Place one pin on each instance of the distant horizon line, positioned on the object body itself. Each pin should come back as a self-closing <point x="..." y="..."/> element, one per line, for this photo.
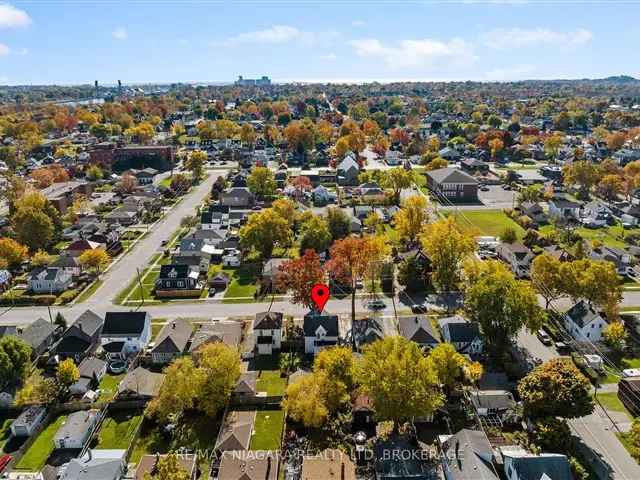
<point x="339" y="81"/>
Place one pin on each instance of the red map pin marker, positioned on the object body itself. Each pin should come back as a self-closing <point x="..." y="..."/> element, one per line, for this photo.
<point x="320" y="295"/>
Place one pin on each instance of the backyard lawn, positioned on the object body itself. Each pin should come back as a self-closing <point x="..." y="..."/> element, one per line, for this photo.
<point x="118" y="430"/>
<point x="267" y="430"/>
<point x="37" y="454"/>
<point x="487" y="222"/>
<point x="109" y="386"/>
<point x="270" y="381"/>
<point x="194" y="432"/>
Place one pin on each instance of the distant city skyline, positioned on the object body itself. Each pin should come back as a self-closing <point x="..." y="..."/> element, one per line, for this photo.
<point x="207" y="41"/>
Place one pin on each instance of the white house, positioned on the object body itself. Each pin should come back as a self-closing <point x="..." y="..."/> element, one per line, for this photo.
<point x="28" y="421"/>
<point x="76" y="429"/>
<point x="232" y="258"/>
<point x="563" y="208"/>
<point x="518" y="256"/>
<point x="132" y="328"/>
<point x="584" y="323"/>
<point x="267" y="332"/>
<point x="320" y="331"/>
<point x="522" y="465"/>
<point x="49" y="280"/>
<point x="462" y="334"/>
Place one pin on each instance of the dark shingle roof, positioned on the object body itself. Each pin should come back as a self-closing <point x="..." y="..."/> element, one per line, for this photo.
<point x="582" y="313"/>
<point x="122" y="323"/>
<point x="37" y="333"/>
<point x="268" y="321"/>
<point x="312" y="321"/>
<point x="417" y="328"/>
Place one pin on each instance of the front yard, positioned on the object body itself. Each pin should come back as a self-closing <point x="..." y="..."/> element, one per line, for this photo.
<point x="36" y="456"/>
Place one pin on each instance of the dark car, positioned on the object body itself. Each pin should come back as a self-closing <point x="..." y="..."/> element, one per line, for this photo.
<point x="419" y="308"/>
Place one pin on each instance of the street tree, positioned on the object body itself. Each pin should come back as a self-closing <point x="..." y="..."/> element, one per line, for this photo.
<point x="556" y="389"/>
<point x="349" y="263"/>
<point x="195" y="162"/>
<point x="546" y="278"/>
<point x="399" y="379"/>
<point x="447" y="246"/>
<point x="262" y="182"/>
<point x="411" y="218"/>
<point x="397" y="179"/>
<point x="615" y="335"/>
<point x="297" y="276"/>
<point x="501" y="305"/>
<point x="94" y="260"/>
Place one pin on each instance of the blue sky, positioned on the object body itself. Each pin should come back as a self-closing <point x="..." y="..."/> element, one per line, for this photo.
<point x="77" y="41"/>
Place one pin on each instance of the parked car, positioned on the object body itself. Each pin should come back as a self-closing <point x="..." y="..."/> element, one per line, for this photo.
<point x="484" y="188"/>
<point x="562" y="348"/>
<point x="419" y="308"/>
<point x="544" y="337"/>
<point x="376" y="305"/>
<point x="4" y="461"/>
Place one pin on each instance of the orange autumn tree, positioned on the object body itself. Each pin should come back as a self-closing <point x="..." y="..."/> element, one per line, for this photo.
<point x="350" y="261"/>
<point x="299" y="275"/>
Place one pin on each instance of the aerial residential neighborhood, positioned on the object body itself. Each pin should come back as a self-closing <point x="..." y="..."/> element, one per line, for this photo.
<point x="352" y="271"/>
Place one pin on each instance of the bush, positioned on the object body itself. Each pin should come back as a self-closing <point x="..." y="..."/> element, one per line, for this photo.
<point x="68" y="296"/>
<point x="589" y="372"/>
<point x="26" y="300"/>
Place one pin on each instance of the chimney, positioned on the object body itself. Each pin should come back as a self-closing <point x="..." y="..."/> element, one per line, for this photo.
<point x="173" y="325"/>
<point x="80" y="326"/>
<point x="266" y="477"/>
<point x="342" y="476"/>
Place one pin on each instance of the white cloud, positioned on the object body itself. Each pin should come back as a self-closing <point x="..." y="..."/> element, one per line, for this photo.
<point x="329" y="56"/>
<point x="274" y="34"/>
<point x="120" y="33"/>
<point x="417" y="53"/>
<point x="11" y="16"/>
<point x="278" y="34"/>
<point x="517" y="72"/>
<point x="512" y="38"/>
<point x="358" y="23"/>
<point x="4" y="50"/>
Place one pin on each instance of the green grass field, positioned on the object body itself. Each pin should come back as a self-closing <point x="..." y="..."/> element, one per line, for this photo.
<point x="5" y="430"/>
<point x="610" y="401"/>
<point x="267" y="430"/>
<point x="118" y="430"/>
<point x="270" y="381"/>
<point x="109" y="386"/>
<point x="242" y="284"/>
<point x="487" y="222"/>
<point x="36" y="456"/>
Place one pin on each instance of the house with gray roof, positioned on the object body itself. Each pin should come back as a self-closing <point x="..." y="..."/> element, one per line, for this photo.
<point x="462" y="334"/>
<point x="235" y="433"/>
<point x="418" y="329"/>
<point x="348" y="170"/>
<point x="132" y="328"/>
<point x="95" y="465"/>
<point x="140" y="384"/>
<point x="28" y="421"/>
<point x="39" y="335"/>
<point x="92" y="370"/>
<point x="81" y="338"/>
<point x="467" y="455"/>
<point x="584" y="322"/>
<point x="76" y="429"/>
<point x="50" y="280"/>
<point x="453" y="184"/>
<point x="172" y="341"/>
